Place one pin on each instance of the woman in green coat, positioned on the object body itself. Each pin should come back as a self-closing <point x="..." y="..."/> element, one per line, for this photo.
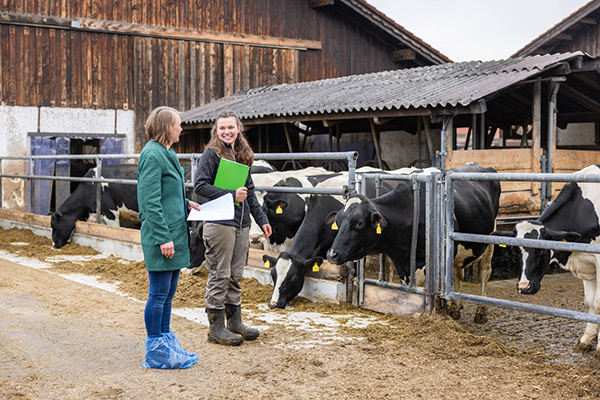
<point x="165" y="237"/>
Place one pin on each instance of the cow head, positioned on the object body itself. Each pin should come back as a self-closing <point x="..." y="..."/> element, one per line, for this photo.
<point x="62" y="228"/>
<point x="534" y="262"/>
<point x="358" y="224"/>
<point x="197" y="248"/>
<point x="287" y="272"/>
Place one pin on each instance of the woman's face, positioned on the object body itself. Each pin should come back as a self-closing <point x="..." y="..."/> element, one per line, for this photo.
<point x="227" y="130"/>
<point x="176" y="130"/>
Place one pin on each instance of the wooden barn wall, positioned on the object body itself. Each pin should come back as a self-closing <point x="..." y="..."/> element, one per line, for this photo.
<point x="46" y="66"/>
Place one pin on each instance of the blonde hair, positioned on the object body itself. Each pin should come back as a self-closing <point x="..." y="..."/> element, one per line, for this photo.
<point x="240" y="150"/>
<point x="159" y="124"/>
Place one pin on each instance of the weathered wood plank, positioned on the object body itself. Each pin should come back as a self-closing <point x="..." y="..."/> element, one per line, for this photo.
<point x="158" y="31"/>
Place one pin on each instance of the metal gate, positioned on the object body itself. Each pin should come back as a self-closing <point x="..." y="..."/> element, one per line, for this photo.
<point x="440" y="237"/>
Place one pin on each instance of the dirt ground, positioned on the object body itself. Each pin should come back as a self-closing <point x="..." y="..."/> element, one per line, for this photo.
<point x="70" y="340"/>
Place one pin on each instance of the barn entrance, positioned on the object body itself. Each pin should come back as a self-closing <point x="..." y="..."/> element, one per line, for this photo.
<point x="48" y="195"/>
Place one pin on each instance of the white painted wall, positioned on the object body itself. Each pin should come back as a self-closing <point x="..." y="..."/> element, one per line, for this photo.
<point x="576" y="134"/>
<point x="16" y="122"/>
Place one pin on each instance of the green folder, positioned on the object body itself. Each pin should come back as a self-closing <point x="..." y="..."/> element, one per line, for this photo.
<point x="231" y="175"/>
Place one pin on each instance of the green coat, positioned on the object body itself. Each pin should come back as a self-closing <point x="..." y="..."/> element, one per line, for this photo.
<point x="163" y="207"/>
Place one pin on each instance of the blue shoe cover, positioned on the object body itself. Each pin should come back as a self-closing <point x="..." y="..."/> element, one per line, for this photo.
<point x="160" y="355"/>
<point x="175" y="345"/>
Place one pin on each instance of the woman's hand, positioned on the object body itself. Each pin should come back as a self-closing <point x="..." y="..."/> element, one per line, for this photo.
<point x="167" y="249"/>
<point x="194" y="205"/>
<point x="241" y="194"/>
<point x="267" y="230"/>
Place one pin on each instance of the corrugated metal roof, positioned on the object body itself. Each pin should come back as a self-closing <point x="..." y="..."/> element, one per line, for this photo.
<point x="443" y="85"/>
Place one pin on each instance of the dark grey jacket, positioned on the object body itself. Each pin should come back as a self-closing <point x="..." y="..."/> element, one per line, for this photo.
<point x="203" y="186"/>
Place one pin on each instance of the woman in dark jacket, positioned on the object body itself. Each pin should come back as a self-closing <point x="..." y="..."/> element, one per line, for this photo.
<point x="164" y="235"/>
<point x="227" y="242"/>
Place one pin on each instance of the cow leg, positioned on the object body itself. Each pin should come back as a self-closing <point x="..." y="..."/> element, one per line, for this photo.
<point x="591" y="330"/>
<point x="455" y="306"/>
<point x="485" y="271"/>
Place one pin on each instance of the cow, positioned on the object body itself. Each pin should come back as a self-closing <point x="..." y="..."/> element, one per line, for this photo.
<point x="82" y="202"/>
<point x="384" y="225"/>
<point x="313" y="240"/>
<point x="573" y="217"/>
<point x="299" y="178"/>
<point x="287" y="210"/>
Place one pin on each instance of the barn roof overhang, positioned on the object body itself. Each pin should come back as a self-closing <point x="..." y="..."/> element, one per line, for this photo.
<point x="561" y="31"/>
<point x="435" y="91"/>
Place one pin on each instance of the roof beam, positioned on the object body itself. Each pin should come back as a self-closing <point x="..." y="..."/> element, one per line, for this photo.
<point x="404" y="55"/>
<point x="321" y="3"/>
<point x="123" y="28"/>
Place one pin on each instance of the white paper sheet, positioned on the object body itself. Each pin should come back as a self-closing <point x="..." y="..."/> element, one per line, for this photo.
<point x="219" y="209"/>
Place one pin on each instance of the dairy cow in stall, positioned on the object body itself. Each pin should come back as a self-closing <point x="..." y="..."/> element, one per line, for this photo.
<point x="384" y="225"/>
<point x="574" y="217"/>
<point x="116" y="199"/>
<point x="311" y="242"/>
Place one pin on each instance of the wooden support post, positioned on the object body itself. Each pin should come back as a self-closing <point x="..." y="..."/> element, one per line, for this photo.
<point x="536" y="145"/>
<point x="289" y="143"/>
<point x="374" y="135"/>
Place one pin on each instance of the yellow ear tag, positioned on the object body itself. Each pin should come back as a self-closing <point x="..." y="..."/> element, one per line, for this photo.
<point x="267" y="264"/>
<point x="315" y="268"/>
<point x="334" y="226"/>
<point x="279" y="210"/>
<point x="563" y="240"/>
<point x="378" y="229"/>
<point x="502" y="245"/>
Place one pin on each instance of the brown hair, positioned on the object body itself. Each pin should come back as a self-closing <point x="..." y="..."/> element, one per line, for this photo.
<point x="240" y="150"/>
<point x="159" y="123"/>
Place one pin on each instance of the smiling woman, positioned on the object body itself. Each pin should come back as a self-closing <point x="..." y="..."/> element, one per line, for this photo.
<point x="227" y="242"/>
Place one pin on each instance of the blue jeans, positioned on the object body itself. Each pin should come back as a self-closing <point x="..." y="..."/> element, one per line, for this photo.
<point x="157" y="314"/>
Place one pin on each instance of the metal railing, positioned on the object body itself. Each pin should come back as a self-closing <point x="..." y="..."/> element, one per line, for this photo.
<point x="451" y="236"/>
<point x="350" y="157"/>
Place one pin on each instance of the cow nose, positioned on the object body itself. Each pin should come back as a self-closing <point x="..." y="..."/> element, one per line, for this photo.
<point x="272" y="304"/>
<point x="331" y="255"/>
<point x="254" y="238"/>
<point x="524" y="287"/>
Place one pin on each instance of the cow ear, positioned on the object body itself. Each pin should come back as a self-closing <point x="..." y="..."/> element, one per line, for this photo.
<point x="330" y="217"/>
<point x="564" y="236"/>
<point x="269" y="261"/>
<point x="503" y="233"/>
<point x="378" y="220"/>
<point x="313" y="264"/>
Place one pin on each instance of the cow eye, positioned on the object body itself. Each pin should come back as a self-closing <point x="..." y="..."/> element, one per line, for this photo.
<point x="359" y="224"/>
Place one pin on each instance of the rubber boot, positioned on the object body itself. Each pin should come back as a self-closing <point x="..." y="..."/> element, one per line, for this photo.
<point x="173" y="342"/>
<point x="234" y="323"/>
<point x="217" y="333"/>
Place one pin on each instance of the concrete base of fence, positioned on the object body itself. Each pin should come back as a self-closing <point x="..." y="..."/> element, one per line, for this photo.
<point x="325" y="286"/>
<point x="392" y="301"/>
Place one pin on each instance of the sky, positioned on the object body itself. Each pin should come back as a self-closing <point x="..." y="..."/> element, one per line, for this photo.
<point x="467" y="30"/>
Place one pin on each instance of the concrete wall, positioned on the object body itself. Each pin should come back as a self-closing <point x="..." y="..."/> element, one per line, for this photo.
<point x="17" y="122"/>
<point x="576" y="134"/>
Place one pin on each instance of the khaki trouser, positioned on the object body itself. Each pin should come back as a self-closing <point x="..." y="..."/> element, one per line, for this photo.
<point x="226" y="255"/>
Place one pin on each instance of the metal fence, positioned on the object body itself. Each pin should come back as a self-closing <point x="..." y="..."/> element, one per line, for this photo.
<point x="350" y="157"/>
<point x="447" y="290"/>
<point x="439" y="223"/>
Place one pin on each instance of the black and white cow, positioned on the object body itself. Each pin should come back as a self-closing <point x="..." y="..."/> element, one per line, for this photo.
<point x="312" y="241"/>
<point x="82" y="202"/>
<point x="287" y="210"/>
<point x="279" y="240"/>
<point x="574" y="216"/>
<point x="384" y="225"/>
